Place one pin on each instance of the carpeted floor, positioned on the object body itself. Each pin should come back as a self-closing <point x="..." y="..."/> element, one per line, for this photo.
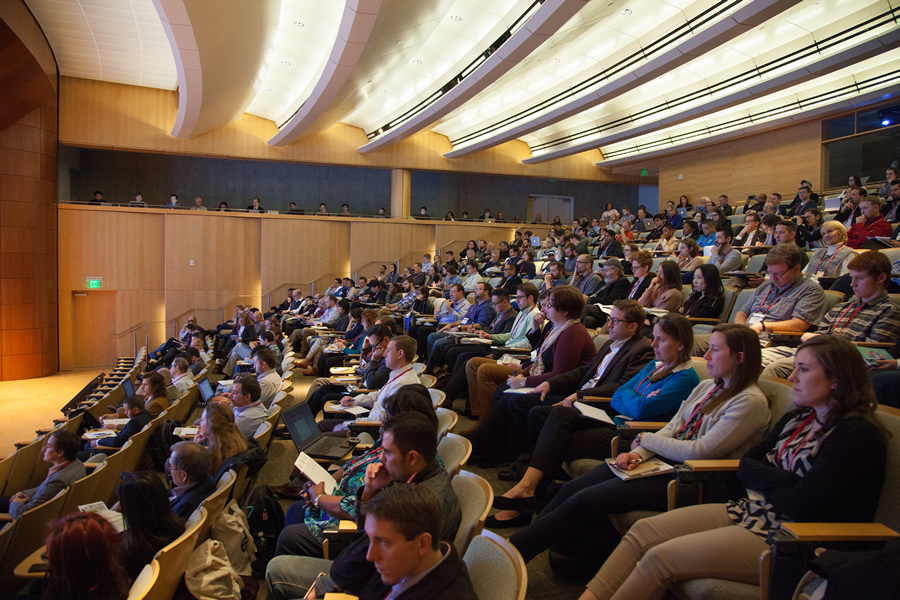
<point x="543" y="583"/>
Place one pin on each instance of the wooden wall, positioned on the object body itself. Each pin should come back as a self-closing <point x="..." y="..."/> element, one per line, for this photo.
<point x="144" y="255"/>
<point x="97" y="114"/>
<point x="28" y="142"/>
<point x="772" y="161"/>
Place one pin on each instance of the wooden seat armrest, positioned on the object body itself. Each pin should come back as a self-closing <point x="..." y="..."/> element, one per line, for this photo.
<point x="645" y="425"/>
<point x="597" y="399"/>
<point x="840" y="532"/>
<point x="368" y="423"/>
<point x="44" y="431"/>
<point x="701" y="320"/>
<point x="362" y="391"/>
<point x="713" y="465"/>
<point x="20" y="445"/>
<point x="353" y="362"/>
<point x="6" y="518"/>
<point x="875" y="344"/>
<point x="91" y="466"/>
<point x="59" y="421"/>
<point x="785" y="331"/>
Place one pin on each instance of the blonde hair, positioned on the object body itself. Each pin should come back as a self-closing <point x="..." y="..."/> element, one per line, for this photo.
<point x="838" y="227"/>
<point x="225" y="439"/>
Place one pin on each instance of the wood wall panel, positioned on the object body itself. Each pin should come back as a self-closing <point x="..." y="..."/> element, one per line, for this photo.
<point x="115" y="116"/>
<point x="454" y="234"/>
<point x="384" y="242"/>
<point x="772" y="161"/>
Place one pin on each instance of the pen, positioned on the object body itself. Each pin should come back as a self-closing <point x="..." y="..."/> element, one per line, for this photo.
<point x="636" y="461"/>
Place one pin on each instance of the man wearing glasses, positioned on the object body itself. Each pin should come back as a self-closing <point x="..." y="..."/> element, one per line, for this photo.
<point x="584" y="278"/>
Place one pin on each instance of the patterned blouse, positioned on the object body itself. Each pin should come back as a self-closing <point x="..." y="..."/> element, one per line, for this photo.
<point x="795" y="451"/>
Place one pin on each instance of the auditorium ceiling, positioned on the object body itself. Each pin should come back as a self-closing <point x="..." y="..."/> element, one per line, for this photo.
<point x="632" y="78"/>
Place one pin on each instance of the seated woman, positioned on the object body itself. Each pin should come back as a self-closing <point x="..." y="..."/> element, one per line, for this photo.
<point x="654" y="394"/>
<point x="305" y="520"/>
<point x="317" y="344"/>
<point x="822" y="462"/>
<point x="708" y="297"/>
<point x="144" y="503"/>
<point x="218" y="432"/>
<point x="688" y="257"/>
<point x="156" y="400"/>
<point x="665" y="290"/>
<point x="722" y="418"/>
<point x="352" y="347"/>
<point x="566" y="346"/>
<point x="832" y="260"/>
<point x="76" y="573"/>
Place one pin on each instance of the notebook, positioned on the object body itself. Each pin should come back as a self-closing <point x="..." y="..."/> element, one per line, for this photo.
<point x="301" y="424"/>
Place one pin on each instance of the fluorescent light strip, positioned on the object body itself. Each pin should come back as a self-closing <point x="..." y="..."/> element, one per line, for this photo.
<point x="682" y="31"/>
<point x="813" y="49"/>
<point x="457" y="79"/>
<point x="763" y="115"/>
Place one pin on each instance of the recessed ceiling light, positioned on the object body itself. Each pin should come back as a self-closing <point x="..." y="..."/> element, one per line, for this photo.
<point x="455" y="18"/>
<point x="285" y="63"/>
<point x="384" y="91"/>
<point x="298" y="23"/>
<point x="626" y="12"/>
<point x="416" y="61"/>
<point x="399" y="42"/>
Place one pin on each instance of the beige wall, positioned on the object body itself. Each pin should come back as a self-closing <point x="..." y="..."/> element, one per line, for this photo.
<point x="773" y="161"/>
<point x="115" y="116"/>
<point x="145" y="257"/>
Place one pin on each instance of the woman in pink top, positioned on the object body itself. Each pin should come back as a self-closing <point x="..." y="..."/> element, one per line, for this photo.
<point x="665" y="289"/>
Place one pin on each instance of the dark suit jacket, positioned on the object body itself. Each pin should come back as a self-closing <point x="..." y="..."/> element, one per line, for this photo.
<point x="527" y="269"/>
<point x="448" y="581"/>
<point x="248" y="334"/>
<point x="188" y="502"/>
<point x="505" y="324"/>
<point x="609" y="293"/>
<point x="641" y="288"/>
<point x="511" y="284"/>
<point x="630" y="359"/>
<point x="134" y="425"/>
<point x="614" y="248"/>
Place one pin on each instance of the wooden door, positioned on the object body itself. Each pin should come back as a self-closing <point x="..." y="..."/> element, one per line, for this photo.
<point x="94" y="328"/>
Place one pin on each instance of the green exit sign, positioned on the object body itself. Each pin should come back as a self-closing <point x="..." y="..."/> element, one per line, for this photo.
<point x="643" y="172"/>
<point x="94" y="283"/>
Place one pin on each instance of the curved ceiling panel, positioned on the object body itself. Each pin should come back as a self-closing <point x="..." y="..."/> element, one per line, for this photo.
<point x="355" y="28"/>
<point x="752" y="67"/>
<point x="670" y="56"/>
<point x="220" y="51"/>
<point x="498" y="59"/>
<point x="121" y="41"/>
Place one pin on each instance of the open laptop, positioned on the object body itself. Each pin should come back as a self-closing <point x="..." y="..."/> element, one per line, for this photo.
<point x="683" y="212"/>
<point x="301" y="424"/>
<point x="128" y="387"/>
<point x="833" y="203"/>
<point x="648" y="224"/>
<point x="206" y="390"/>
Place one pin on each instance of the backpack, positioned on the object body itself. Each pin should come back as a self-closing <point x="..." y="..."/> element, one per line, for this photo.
<point x="232" y="529"/>
<point x="160" y="443"/>
<point x="266" y="520"/>
<point x="209" y="576"/>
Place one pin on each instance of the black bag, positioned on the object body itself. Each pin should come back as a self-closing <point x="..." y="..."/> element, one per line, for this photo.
<point x="160" y="443"/>
<point x="266" y="520"/>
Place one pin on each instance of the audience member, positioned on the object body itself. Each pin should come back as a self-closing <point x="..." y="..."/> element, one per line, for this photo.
<point x="60" y="450"/>
<point x="218" y="432"/>
<point x="146" y="508"/>
<point x="188" y="468"/>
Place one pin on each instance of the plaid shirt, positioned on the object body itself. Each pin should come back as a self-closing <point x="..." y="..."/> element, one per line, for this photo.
<point x="858" y="321"/>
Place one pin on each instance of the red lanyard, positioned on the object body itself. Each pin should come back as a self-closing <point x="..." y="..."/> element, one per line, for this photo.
<point x="637" y="283"/>
<point x="397" y="375"/>
<point x="818" y="264"/>
<point x="699" y="406"/>
<point x="868" y="226"/>
<point x="850" y="318"/>
<point x="637" y="388"/>
<point x="774" y="300"/>
<point x="803" y="426"/>
<point x="498" y="318"/>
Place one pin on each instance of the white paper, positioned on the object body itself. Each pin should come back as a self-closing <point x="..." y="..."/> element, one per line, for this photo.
<point x="341" y="370"/>
<point x="594" y="413"/>
<point x="524" y="390"/>
<point x="314" y="472"/>
<point x="353" y="410"/>
<point x="185" y="431"/>
<point x="116" y="422"/>
<point x="115" y="518"/>
<point x="99" y="434"/>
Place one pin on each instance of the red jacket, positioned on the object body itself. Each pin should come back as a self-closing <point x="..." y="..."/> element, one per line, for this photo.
<point x="859" y="233"/>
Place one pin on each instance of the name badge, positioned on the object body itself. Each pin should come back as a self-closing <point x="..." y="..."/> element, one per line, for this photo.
<point x="820" y="273"/>
<point x="465" y="321"/>
<point x="534" y="354"/>
<point x="755" y="318"/>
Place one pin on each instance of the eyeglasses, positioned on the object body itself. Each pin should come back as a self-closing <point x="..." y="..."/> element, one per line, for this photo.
<point x="614" y="321"/>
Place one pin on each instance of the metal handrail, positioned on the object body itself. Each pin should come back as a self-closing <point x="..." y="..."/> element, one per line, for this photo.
<point x="134" y="330"/>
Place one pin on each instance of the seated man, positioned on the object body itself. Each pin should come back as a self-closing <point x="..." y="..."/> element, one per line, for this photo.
<point x="723" y="256"/>
<point x="137" y="418"/>
<point x="869" y="316"/>
<point x="505" y="432"/>
<point x="445" y="350"/>
<point x="451" y="311"/>
<point x="584" y="277"/>
<point x="299" y="338"/>
<point x="398" y="357"/>
<point x="870" y="224"/>
<point x="615" y="287"/>
<point x="265" y="363"/>
<point x="511" y="278"/>
<point x="609" y="246"/>
<point x="556" y="275"/>
<point x="189" y="465"/>
<point x="787" y="302"/>
<point x="708" y="226"/>
<point x="181" y="375"/>
<point x="249" y="412"/>
<point x="479" y="316"/>
<point x="472" y="277"/>
<point x="60" y="450"/>
<point x="409" y="455"/>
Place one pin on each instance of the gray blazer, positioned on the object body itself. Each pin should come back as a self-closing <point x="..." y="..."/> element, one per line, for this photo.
<point x="49" y="488"/>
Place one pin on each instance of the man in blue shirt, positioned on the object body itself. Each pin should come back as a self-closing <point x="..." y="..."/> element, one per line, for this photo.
<point x="479" y="314"/>
<point x="451" y="311"/>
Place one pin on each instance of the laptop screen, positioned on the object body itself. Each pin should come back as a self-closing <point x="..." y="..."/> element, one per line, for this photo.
<point x="128" y="387"/>
<point x="833" y="203"/>
<point x="301" y="424"/>
<point x="206" y="389"/>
